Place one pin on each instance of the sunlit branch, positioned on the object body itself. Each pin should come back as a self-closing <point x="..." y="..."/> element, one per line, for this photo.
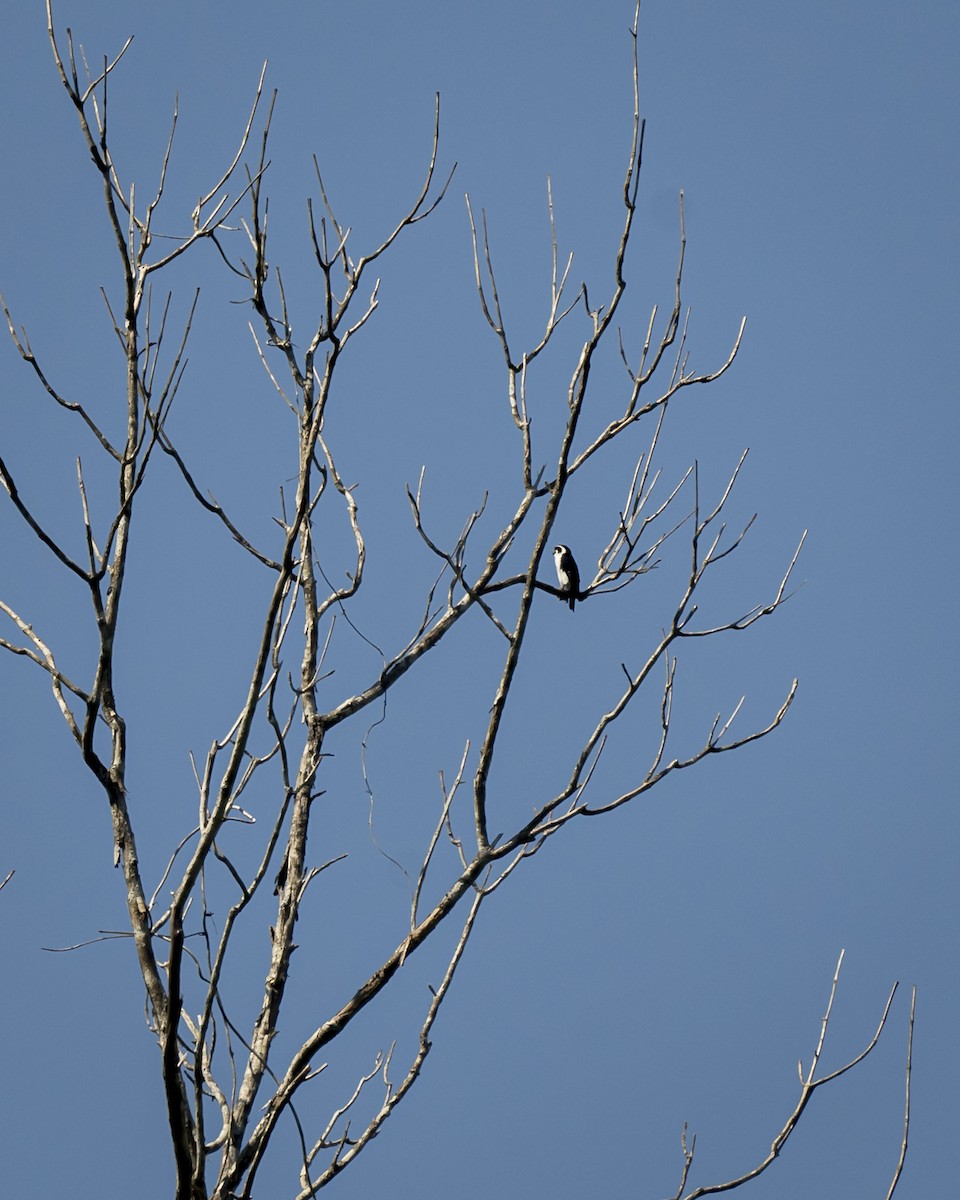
<point x="43" y="657"/>
<point x="345" y="1152"/>
<point x="808" y="1085"/>
<point x="898" y="1171"/>
<point x="228" y="1079"/>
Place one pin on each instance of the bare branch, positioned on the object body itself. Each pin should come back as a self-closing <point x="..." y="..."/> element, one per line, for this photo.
<point x="225" y="1092"/>
<point x="26" y="353"/>
<point x="808" y="1085"/>
<point x="906" y="1103"/>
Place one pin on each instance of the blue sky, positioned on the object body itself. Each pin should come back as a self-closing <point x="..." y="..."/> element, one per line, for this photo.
<point x="667" y="964"/>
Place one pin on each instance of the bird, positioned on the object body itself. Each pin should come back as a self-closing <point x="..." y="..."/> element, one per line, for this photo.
<point x="567" y="573"/>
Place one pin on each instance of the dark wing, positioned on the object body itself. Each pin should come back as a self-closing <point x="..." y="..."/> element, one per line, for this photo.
<point x="573" y="575"/>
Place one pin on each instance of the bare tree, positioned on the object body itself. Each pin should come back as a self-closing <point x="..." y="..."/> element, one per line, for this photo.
<point x="226" y="1083"/>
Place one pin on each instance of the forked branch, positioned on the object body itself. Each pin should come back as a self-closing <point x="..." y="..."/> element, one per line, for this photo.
<point x="809" y="1083"/>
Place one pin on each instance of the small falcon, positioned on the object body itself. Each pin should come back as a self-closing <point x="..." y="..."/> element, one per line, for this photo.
<point x="567" y="573"/>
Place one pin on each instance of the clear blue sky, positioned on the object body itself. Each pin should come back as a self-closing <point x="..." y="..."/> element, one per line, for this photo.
<point x="672" y="962"/>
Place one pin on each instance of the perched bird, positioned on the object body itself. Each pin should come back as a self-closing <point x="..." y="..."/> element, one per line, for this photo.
<point x="567" y="573"/>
